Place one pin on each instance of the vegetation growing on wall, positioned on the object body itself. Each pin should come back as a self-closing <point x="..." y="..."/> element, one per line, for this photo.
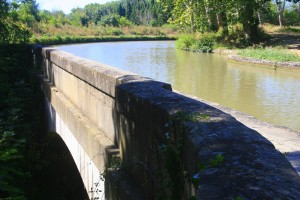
<point x="173" y="184"/>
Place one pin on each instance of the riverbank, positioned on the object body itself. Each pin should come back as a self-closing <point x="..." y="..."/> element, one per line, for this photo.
<point x="274" y="64"/>
<point x="277" y="49"/>
<point x="233" y="57"/>
<point x="284" y="139"/>
<point x="291" y="41"/>
<point x="55" y="40"/>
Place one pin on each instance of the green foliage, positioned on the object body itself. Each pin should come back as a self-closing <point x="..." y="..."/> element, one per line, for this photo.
<point x="196" y="178"/>
<point x="290" y="29"/>
<point x="236" y="37"/>
<point x="14" y="23"/>
<point x="172" y="148"/>
<point x="172" y="185"/>
<point x="210" y="16"/>
<point x="26" y="160"/>
<point x="273" y="54"/>
<point x="113" y="31"/>
<point x="202" y="43"/>
<point x="46" y="40"/>
<point x="78" y="17"/>
<point x="15" y="121"/>
<point x="217" y="160"/>
<point x="136" y="12"/>
<point x="28" y="12"/>
<point x="110" y="20"/>
<point x="13" y="32"/>
<point x="123" y="21"/>
<point x="238" y="198"/>
<point x="185" y="41"/>
<point x="290" y="14"/>
<point x="291" y="17"/>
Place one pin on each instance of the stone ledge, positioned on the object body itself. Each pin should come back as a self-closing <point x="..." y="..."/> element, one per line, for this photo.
<point x="84" y="130"/>
<point x="253" y="168"/>
<point x="100" y="76"/>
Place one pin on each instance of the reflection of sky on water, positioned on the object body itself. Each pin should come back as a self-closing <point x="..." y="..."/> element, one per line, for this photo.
<point x="268" y="94"/>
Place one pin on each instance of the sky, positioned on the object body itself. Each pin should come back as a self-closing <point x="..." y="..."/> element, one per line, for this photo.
<point x="66" y="5"/>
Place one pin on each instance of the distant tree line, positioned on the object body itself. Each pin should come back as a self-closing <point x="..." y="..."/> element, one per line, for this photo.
<point x="144" y="12"/>
<point x="19" y="18"/>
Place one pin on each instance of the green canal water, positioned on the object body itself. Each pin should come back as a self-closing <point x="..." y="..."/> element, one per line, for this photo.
<point x="267" y="94"/>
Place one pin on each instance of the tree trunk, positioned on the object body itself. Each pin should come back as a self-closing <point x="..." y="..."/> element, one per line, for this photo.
<point x="219" y="20"/>
<point x="250" y="27"/>
<point x="280" y="18"/>
<point x="209" y="21"/>
<point x="280" y="9"/>
<point x="193" y="26"/>
<point x="251" y="31"/>
<point x="260" y="17"/>
<point x="298" y="9"/>
<point x="222" y="22"/>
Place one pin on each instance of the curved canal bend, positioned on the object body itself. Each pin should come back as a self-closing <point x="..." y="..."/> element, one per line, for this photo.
<point x="267" y="94"/>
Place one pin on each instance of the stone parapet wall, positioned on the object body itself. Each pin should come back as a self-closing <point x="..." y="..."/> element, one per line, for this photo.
<point x="171" y="146"/>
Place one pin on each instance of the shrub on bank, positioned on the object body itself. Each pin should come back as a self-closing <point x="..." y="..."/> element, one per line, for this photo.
<point x="185" y="42"/>
<point x="202" y="43"/>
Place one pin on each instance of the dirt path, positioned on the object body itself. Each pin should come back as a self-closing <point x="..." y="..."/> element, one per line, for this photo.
<point x="292" y="41"/>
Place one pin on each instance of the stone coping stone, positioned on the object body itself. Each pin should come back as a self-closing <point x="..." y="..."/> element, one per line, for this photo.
<point x="252" y="167"/>
<point x="100" y="76"/>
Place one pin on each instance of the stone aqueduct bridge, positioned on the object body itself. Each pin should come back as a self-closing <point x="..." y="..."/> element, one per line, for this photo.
<point x="147" y="142"/>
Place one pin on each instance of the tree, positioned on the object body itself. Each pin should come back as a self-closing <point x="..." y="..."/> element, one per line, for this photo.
<point x="78" y="17"/>
<point x="123" y="21"/>
<point x="12" y="28"/>
<point x="209" y="15"/>
<point x="280" y="9"/>
<point x="110" y="20"/>
<point x="3" y="8"/>
<point x="281" y="4"/>
<point x="297" y="7"/>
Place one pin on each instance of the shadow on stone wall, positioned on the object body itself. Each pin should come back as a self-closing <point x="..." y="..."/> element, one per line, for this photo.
<point x="169" y="142"/>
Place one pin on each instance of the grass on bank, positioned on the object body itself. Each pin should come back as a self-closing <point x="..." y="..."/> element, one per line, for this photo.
<point x="269" y="28"/>
<point x="46" y="40"/>
<point x="273" y="54"/>
<point x="65" y="34"/>
<point x="98" y="30"/>
<point x="207" y="42"/>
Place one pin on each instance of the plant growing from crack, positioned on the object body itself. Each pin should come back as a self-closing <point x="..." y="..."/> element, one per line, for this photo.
<point x="172" y="150"/>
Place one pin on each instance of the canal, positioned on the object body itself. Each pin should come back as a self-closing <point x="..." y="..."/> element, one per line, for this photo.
<point x="267" y="94"/>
